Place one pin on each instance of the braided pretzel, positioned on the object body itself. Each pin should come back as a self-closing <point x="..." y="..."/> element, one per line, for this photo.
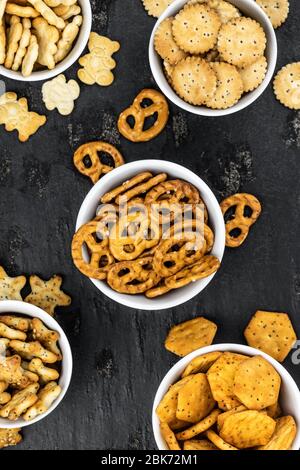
<point x="133" y="277"/>
<point x="97" y="168"/>
<point x="139" y="113"/>
<point x="100" y="257"/>
<point x="239" y="221"/>
<point x="203" y="268"/>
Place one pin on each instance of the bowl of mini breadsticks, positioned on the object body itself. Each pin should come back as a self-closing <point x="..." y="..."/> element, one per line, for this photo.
<point x="40" y="39"/>
<point x="213" y="57"/>
<point x="150" y="235"/>
<point x="35" y="364"/>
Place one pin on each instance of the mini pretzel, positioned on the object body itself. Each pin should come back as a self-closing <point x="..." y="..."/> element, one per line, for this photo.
<point x="175" y="253"/>
<point x="141" y="188"/>
<point x="47" y="338"/>
<point x="203" y="268"/>
<point x="108" y="197"/>
<point x="100" y="258"/>
<point x="20" y="402"/>
<point x="140" y="114"/>
<point x="45" y="399"/>
<point x="193" y="226"/>
<point x="173" y="191"/>
<point x="33" y="349"/>
<point x="46" y="374"/>
<point x="239" y="221"/>
<point x="18" y="323"/>
<point x="10" y="333"/>
<point x="11" y="372"/>
<point x="158" y="290"/>
<point x="94" y="169"/>
<point x="130" y="236"/>
<point x="133" y="277"/>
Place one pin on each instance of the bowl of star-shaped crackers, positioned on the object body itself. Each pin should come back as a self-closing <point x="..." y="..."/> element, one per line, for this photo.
<point x="35" y="365"/>
<point x="40" y="39"/>
<point x="213" y="57"/>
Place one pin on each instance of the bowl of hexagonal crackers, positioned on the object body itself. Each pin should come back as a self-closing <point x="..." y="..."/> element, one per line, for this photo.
<point x="35" y="365"/>
<point x="40" y="39"/>
<point x="227" y="397"/>
<point x="213" y="57"/>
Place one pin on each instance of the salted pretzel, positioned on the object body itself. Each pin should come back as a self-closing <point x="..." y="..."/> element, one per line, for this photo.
<point x="137" y="133"/>
<point x="174" y="253"/>
<point x="132" y="235"/>
<point x="137" y="179"/>
<point x="173" y="191"/>
<point x="141" y="189"/>
<point x="87" y="159"/>
<point x="100" y="257"/>
<point x="133" y="277"/>
<point x="158" y="290"/>
<point x="194" y="226"/>
<point x="203" y="268"/>
<point x="239" y="223"/>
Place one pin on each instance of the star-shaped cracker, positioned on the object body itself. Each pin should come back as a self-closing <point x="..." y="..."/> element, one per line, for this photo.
<point x="98" y="63"/>
<point x="60" y="94"/>
<point x="10" y="287"/>
<point x="47" y="294"/>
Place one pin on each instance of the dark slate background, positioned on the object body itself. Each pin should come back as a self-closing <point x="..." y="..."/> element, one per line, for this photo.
<point x="118" y="352"/>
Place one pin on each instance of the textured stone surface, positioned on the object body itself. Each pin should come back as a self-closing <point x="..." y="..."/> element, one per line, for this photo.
<point x="119" y="357"/>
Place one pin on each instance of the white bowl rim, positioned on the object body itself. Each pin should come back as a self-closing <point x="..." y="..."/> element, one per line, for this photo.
<point x="247" y="99"/>
<point x="71" y="58"/>
<point x="156" y="166"/>
<point x="26" y="309"/>
<point x="175" y="372"/>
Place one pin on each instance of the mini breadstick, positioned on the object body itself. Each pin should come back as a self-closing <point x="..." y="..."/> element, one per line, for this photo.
<point x="33" y="349"/>
<point x="5" y="397"/>
<point x="20" y="402"/>
<point x="47" y="337"/>
<point x="45" y="399"/>
<point x="73" y="10"/>
<point x="48" y="14"/>
<point x="68" y="37"/>
<point x="2" y="41"/>
<point x="30" y="57"/>
<point x="10" y="333"/>
<point x="24" y="43"/>
<point x="47" y="37"/>
<point x="18" y="323"/>
<point x="22" y="12"/>
<point x="14" y="36"/>
<point x="46" y="374"/>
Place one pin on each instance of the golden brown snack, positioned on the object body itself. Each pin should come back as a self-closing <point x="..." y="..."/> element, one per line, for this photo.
<point x="277" y="10"/>
<point x="5" y="397"/>
<point x="239" y="222"/>
<point x="229" y="86"/>
<point x="10" y="287"/>
<point x="158" y="290"/>
<point x="46" y="337"/>
<point x="174" y="191"/>
<point x="165" y="45"/>
<point x="12" y="373"/>
<point x="18" y="323"/>
<point x="205" y="267"/>
<point x="218" y="441"/>
<point x="256" y="383"/>
<point x="284" y="435"/>
<point x="48" y="14"/>
<point x="100" y="257"/>
<point x="133" y="277"/>
<point x="223" y="416"/>
<point x="33" y="349"/>
<point x="141" y="189"/>
<point x="201" y="363"/>
<point x="194" y="444"/>
<point x="140" y="178"/>
<point x="195" y="400"/>
<point x="200" y="427"/>
<point x="167" y="408"/>
<point x="46" y="374"/>
<point x="47" y="294"/>
<point x="191" y="335"/>
<point x="274" y="411"/>
<point x="47" y="37"/>
<point x="10" y="437"/>
<point x="20" y="402"/>
<point x="158" y="106"/>
<point x="272" y="333"/>
<point x="46" y="397"/>
<point x="11" y="333"/>
<point x="169" y="437"/>
<point x="156" y="7"/>
<point x="87" y="159"/>
<point x="286" y="85"/>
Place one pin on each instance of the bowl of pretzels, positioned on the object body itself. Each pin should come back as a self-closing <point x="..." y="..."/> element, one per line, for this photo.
<point x="149" y="235"/>
<point x="35" y="364"/>
<point x="40" y="39"/>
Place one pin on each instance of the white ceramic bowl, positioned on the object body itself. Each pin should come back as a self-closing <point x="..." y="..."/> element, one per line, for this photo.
<point x="289" y="396"/>
<point x="249" y="8"/>
<point x="23" y="308"/>
<point x="117" y="177"/>
<point x="79" y="46"/>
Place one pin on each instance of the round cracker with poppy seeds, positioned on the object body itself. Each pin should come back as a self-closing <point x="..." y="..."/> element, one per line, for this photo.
<point x="287" y="86"/>
<point x="194" y="80"/>
<point x="241" y="41"/>
<point x="254" y="74"/>
<point x="229" y="86"/>
<point x="277" y="10"/>
<point x="156" y="7"/>
<point x="195" y="28"/>
<point x="165" y="45"/>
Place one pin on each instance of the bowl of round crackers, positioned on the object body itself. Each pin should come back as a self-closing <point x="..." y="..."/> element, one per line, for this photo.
<point x="42" y="38"/>
<point x="213" y="57"/>
<point x="135" y="262"/>
<point x="227" y="397"/>
<point x="35" y="364"/>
